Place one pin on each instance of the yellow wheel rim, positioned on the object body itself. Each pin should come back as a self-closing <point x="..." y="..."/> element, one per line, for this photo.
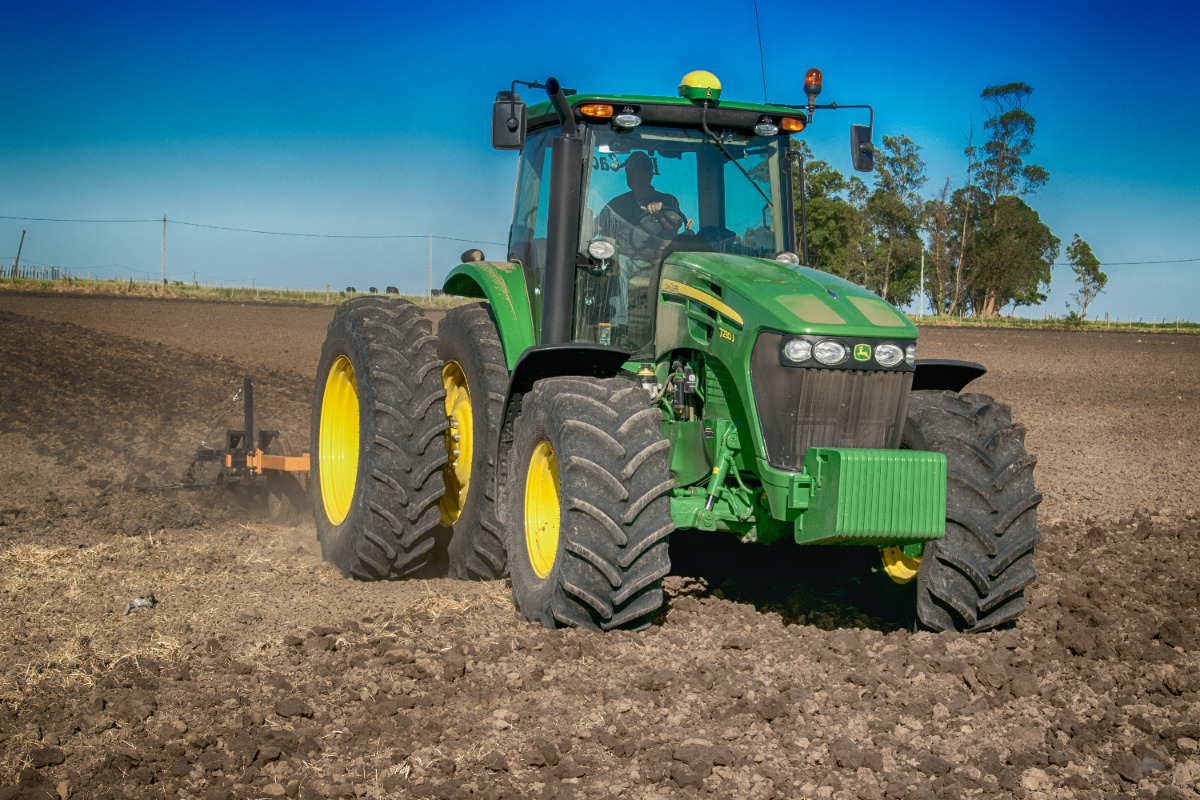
<point x="542" y="509"/>
<point x="899" y="567"/>
<point x="338" y="463"/>
<point x="459" y="438"/>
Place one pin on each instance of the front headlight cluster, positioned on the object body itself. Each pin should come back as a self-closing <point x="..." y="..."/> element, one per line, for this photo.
<point x="799" y="350"/>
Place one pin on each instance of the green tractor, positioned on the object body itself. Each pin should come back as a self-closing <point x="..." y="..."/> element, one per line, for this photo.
<point x="653" y="357"/>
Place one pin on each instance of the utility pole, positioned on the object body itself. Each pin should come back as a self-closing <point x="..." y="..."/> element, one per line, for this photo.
<point x="430" y="296"/>
<point x="164" y="251"/>
<point x="921" y="291"/>
<point x="17" y="260"/>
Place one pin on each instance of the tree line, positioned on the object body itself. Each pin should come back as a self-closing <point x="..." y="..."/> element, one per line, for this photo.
<point x="984" y="246"/>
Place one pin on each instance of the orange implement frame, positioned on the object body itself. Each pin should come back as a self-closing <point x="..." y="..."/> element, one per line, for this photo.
<point x="258" y="461"/>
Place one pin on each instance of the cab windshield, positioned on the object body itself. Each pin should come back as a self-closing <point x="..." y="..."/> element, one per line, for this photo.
<point x="653" y="191"/>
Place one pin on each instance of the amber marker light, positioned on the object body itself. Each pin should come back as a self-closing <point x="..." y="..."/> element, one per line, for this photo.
<point x="792" y="124"/>
<point x="598" y="110"/>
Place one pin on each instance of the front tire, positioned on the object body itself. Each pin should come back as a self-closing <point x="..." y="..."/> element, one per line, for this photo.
<point x="475" y="377"/>
<point x="974" y="578"/>
<point x="587" y="506"/>
<point x="376" y="440"/>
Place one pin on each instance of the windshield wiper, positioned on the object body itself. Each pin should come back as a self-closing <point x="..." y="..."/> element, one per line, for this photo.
<point x="736" y="163"/>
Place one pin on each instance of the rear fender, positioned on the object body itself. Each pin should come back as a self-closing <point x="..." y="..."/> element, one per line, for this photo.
<point x="502" y="284"/>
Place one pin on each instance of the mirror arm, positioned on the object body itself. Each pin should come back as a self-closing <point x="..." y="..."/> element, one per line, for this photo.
<point x="512" y="99"/>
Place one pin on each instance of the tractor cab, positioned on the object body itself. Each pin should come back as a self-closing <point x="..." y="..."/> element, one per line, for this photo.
<point x="655" y="178"/>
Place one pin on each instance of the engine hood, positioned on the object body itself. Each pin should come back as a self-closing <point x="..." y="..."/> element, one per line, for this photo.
<point x="757" y="294"/>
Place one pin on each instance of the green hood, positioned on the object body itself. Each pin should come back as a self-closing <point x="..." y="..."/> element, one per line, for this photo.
<point x="764" y="294"/>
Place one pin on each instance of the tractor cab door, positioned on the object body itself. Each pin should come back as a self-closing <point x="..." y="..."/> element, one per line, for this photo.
<point x="531" y="209"/>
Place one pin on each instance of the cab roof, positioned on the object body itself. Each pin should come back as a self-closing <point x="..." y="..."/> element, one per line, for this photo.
<point x="671" y="111"/>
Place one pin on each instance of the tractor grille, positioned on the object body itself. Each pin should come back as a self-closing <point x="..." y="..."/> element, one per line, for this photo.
<point x="800" y="408"/>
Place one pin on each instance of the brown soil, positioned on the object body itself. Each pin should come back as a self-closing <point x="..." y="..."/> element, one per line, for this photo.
<point x="261" y="672"/>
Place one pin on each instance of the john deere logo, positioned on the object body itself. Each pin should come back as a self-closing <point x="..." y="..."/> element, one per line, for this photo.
<point x="862" y="352"/>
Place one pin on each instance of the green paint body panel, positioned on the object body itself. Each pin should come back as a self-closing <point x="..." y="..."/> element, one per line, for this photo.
<point x="502" y="284"/>
<point x="768" y="295"/>
<point x="873" y="497"/>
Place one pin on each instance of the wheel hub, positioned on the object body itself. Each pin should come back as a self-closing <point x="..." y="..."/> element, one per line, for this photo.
<point x="899" y="567"/>
<point x="459" y="438"/>
<point x="338" y="462"/>
<point x="542" y="509"/>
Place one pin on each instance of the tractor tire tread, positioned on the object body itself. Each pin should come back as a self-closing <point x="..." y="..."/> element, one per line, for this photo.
<point x="388" y="532"/>
<point x="470" y="336"/>
<point x="974" y="578"/>
<point x="613" y="532"/>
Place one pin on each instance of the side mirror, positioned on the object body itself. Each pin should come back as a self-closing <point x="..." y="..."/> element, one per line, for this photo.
<point x="508" y="121"/>
<point x="861" y="149"/>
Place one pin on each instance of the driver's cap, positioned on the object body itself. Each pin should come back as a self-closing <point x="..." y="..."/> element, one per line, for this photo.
<point x="638" y="159"/>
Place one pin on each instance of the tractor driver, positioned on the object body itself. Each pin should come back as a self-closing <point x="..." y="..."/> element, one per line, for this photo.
<point x="641" y="222"/>
<point x="642" y="205"/>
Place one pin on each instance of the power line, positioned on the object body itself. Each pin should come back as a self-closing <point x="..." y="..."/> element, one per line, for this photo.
<point x="262" y="232"/>
<point x="424" y="236"/>
<point x="53" y="219"/>
<point x="1137" y="263"/>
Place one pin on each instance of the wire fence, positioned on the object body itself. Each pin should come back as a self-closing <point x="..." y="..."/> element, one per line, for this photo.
<point x="1109" y="322"/>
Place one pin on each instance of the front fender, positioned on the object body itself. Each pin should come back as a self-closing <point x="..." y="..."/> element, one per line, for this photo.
<point x="555" y="360"/>
<point x="502" y="284"/>
<point x="945" y="374"/>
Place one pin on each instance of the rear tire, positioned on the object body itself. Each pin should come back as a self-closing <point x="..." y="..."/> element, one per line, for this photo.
<point x="475" y="377"/>
<point x="587" y="505"/>
<point x="377" y="440"/>
<point x="974" y="578"/>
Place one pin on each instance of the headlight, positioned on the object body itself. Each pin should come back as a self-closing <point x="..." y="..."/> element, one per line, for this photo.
<point x="797" y="350"/>
<point x="830" y="352"/>
<point x="910" y="355"/>
<point x="601" y="249"/>
<point x="888" y="355"/>
<point x="788" y="257"/>
<point x="627" y="119"/>
<point x="766" y="127"/>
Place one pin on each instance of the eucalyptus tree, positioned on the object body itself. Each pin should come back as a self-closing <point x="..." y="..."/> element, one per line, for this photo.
<point x="1011" y="251"/>
<point x="1087" y="271"/>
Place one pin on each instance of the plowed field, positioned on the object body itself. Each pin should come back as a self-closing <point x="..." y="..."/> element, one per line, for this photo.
<point x="261" y="672"/>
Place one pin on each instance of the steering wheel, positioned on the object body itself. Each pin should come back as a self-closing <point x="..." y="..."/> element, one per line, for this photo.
<point x="664" y="224"/>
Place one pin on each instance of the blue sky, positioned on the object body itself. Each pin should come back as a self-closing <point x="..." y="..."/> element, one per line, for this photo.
<point x="373" y="120"/>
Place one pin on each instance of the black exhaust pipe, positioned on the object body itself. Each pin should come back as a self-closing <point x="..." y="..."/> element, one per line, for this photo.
<point x="562" y="228"/>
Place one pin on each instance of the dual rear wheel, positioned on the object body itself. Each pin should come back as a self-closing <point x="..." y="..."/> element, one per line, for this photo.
<point x="404" y="436"/>
<point x="377" y="440"/>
